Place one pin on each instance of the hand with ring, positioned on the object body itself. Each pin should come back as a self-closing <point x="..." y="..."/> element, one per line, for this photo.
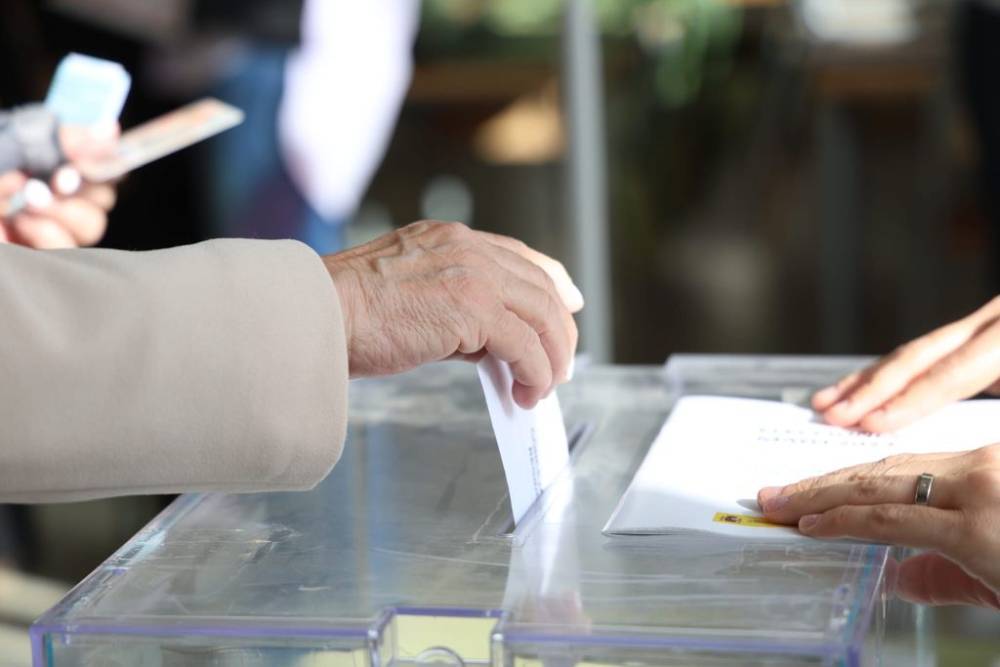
<point x="947" y="504"/>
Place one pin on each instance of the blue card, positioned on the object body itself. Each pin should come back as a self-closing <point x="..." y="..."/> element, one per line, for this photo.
<point x="88" y="91"/>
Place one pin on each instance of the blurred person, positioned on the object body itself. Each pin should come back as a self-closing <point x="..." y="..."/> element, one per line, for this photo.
<point x="224" y="365"/>
<point x="321" y="85"/>
<point x="958" y="516"/>
<point x="977" y="44"/>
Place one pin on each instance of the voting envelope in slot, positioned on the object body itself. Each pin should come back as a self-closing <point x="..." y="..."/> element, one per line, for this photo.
<point x="532" y="443"/>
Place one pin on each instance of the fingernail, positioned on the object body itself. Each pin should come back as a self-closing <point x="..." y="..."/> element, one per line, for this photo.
<point x="67" y="180"/>
<point x="776" y="503"/>
<point x="768" y="492"/>
<point x="571" y="368"/>
<point x="808" y="521"/>
<point x="572" y="296"/>
<point x="37" y="194"/>
<point x="826" y="390"/>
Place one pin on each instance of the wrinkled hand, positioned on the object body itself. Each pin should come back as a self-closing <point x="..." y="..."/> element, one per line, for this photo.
<point x="954" y="362"/>
<point x="69" y="219"/>
<point x="434" y="290"/>
<point x="960" y="527"/>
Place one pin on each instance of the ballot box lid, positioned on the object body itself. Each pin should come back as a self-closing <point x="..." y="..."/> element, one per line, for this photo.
<point x="406" y="553"/>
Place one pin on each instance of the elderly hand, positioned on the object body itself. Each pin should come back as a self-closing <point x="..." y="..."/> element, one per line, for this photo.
<point x="946" y="365"/>
<point x="875" y="502"/>
<point x="75" y="215"/>
<point x="436" y="290"/>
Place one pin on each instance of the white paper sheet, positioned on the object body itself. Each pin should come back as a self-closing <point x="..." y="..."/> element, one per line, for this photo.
<point x="704" y="469"/>
<point x="532" y="443"/>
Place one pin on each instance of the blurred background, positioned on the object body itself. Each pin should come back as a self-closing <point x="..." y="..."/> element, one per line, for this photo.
<point x="744" y="176"/>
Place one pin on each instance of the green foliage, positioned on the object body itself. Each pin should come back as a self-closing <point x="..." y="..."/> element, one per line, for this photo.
<point x="684" y="39"/>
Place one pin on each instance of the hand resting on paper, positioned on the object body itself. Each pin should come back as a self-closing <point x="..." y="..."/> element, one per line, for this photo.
<point x="960" y="527"/>
<point x="435" y="290"/>
<point x="951" y="363"/>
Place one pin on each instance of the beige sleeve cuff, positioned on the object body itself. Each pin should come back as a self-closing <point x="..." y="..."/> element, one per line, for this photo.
<point x="220" y="366"/>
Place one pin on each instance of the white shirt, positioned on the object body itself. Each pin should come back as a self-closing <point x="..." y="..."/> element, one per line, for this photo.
<point x="344" y="87"/>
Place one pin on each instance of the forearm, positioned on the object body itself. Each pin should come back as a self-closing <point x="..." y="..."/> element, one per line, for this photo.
<point x="219" y="366"/>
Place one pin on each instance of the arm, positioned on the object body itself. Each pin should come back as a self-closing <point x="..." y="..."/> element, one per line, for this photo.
<point x="223" y="366"/>
<point x="218" y="366"/>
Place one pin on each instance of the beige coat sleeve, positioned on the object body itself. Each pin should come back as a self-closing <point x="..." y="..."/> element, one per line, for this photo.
<point x="220" y="366"/>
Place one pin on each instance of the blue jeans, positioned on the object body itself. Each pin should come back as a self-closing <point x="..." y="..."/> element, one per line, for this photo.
<point x="250" y="192"/>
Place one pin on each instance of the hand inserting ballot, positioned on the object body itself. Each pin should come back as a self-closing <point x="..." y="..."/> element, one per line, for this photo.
<point x="435" y="290"/>
<point x="958" y="520"/>
<point x="951" y="363"/>
<point x="70" y="213"/>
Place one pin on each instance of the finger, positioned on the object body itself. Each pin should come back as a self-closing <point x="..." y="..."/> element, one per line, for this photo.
<point x="960" y="374"/>
<point x="826" y="397"/>
<point x="84" y="221"/>
<point x="510" y="339"/>
<point x="533" y="274"/>
<point x="568" y="291"/>
<point x="933" y="579"/>
<point x="906" y="525"/>
<point x="899" y="464"/>
<point x="545" y="313"/>
<point x="894" y="372"/>
<point x="894" y="489"/>
<point x="66" y="181"/>
<point x="39" y="232"/>
<point x="82" y="143"/>
<point x="473" y="357"/>
<point x="102" y="195"/>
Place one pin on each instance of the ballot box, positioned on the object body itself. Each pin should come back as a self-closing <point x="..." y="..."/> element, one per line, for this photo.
<point x="407" y="554"/>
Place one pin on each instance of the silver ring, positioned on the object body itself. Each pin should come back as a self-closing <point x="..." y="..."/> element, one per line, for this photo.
<point x="924" y="484"/>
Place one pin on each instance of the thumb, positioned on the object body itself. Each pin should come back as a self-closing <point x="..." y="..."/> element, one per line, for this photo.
<point x="932" y="579"/>
<point x="81" y="143"/>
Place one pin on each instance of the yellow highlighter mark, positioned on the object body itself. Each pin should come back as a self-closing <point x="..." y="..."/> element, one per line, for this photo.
<point x="748" y="520"/>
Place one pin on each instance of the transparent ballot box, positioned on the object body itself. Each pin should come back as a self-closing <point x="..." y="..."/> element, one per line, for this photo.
<point x="407" y="553"/>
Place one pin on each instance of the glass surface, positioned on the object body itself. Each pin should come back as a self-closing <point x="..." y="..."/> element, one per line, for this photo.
<point x="405" y="552"/>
